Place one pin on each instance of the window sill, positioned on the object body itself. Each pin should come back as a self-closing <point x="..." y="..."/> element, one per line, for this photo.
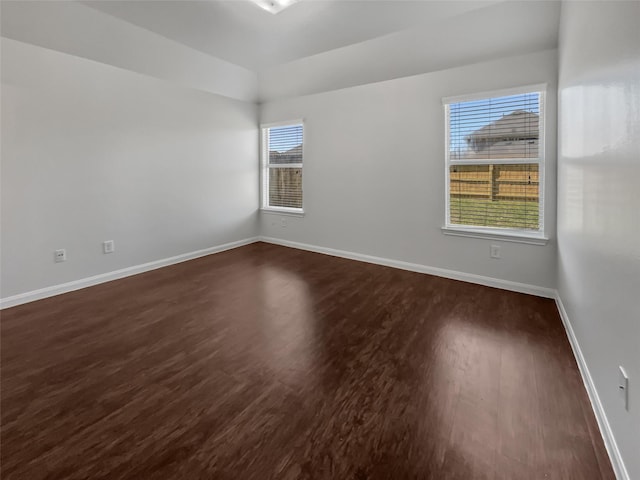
<point x="291" y="212"/>
<point x="517" y="237"/>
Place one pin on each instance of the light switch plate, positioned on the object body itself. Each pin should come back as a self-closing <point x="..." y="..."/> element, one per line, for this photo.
<point x="623" y="387"/>
<point x="108" y="246"/>
<point x="60" y="255"/>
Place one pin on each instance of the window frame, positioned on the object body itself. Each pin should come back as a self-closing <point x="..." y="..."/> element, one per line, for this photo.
<point x="265" y="168"/>
<point x="535" y="237"/>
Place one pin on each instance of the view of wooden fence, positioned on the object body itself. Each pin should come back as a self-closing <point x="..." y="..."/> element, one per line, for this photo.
<point x="495" y="182"/>
<point x="285" y="187"/>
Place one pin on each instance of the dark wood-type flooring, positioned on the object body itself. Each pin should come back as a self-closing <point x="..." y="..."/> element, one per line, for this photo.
<point x="266" y="362"/>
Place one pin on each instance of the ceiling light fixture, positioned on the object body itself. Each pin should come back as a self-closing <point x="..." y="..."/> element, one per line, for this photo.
<point x="274" y="6"/>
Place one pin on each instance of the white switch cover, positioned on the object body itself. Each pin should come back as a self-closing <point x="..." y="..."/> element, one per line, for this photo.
<point x="495" y="251"/>
<point x="60" y="255"/>
<point x="108" y="246"/>
<point x="623" y="387"/>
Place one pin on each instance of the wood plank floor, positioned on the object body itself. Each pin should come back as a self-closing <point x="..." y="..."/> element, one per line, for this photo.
<point x="266" y="362"/>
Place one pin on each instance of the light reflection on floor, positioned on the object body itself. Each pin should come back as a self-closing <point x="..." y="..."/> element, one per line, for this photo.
<point x="288" y="334"/>
<point x="468" y="355"/>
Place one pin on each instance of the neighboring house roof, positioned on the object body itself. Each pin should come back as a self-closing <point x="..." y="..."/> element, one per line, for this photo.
<point x="293" y="155"/>
<point x="513" y="136"/>
<point x="517" y="125"/>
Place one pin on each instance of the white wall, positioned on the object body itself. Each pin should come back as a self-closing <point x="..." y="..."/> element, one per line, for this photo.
<point x="374" y="170"/>
<point x="91" y="152"/>
<point x="599" y="201"/>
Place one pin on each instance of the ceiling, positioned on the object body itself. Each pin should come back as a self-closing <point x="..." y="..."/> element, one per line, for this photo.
<point x="236" y="49"/>
<point x="242" y="33"/>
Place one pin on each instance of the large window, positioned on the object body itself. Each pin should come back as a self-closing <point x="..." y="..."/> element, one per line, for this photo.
<point x="282" y="147"/>
<point x="495" y="163"/>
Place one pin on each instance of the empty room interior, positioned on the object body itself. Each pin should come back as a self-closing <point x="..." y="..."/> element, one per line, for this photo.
<point x="320" y="239"/>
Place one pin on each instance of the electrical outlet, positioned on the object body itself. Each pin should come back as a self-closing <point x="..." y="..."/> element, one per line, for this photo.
<point x="495" y="251"/>
<point x="108" y="246"/>
<point x="283" y="222"/>
<point x="60" y="255"/>
<point x="623" y="387"/>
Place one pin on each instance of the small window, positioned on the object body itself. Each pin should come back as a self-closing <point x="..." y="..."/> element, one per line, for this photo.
<point x="495" y="163"/>
<point x="282" y="159"/>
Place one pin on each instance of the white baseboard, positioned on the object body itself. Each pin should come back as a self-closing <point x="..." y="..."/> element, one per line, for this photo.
<point x="415" y="267"/>
<point x="122" y="273"/>
<point x="53" y="290"/>
<point x="601" y="417"/>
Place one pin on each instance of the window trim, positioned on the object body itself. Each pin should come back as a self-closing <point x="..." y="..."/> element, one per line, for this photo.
<point x="536" y="237"/>
<point x="497" y="233"/>
<point x="264" y="167"/>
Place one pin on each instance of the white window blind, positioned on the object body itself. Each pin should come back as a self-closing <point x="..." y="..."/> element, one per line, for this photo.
<point x="495" y="162"/>
<point x="282" y="154"/>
